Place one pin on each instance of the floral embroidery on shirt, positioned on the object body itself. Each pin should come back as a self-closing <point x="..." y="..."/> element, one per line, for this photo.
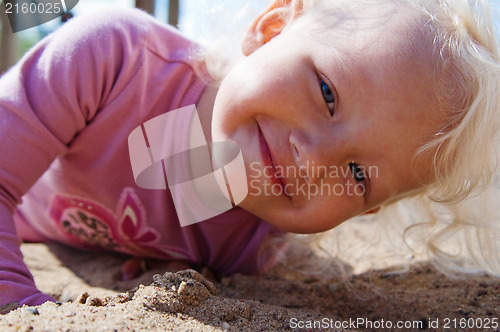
<point x="92" y="225"/>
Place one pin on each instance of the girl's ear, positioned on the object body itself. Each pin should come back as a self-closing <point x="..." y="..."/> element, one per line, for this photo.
<point x="270" y="23"/>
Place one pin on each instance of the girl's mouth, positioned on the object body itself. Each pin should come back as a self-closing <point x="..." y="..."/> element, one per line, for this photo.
<point x="270" y="166"/>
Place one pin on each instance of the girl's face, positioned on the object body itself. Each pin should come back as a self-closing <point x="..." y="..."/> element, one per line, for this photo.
<point x="328" y="121"/>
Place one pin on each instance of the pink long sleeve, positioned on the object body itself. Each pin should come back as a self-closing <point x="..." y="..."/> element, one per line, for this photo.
<point x="46" y="100"/>
<point x="16" y="282"/>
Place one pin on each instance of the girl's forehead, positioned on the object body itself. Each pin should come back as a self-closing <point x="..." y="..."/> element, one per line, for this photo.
<point x="381" y="21"/>
<point x="392" y="31"/>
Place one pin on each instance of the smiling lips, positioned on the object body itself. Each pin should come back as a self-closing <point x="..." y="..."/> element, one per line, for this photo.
<point x="268" y="160"/>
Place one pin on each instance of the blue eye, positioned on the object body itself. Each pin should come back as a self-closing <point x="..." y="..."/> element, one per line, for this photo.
<point x="357" y="172"/>
<point x="328" y="96"/>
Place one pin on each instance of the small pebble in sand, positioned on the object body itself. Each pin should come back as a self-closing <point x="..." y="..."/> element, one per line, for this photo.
<point x="175" y="292"/>
<point x="33" y="310"/>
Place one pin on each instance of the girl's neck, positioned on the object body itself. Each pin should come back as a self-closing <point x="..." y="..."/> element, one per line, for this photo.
<point x="205" y="107"/>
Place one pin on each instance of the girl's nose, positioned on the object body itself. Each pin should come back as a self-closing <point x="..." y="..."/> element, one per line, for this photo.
<point x="312" y="155"/>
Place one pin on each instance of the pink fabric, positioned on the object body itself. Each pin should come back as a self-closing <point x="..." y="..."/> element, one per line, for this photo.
<point x="66" y="110"/>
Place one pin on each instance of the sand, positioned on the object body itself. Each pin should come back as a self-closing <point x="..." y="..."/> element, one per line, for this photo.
<point x="92" y="299"/>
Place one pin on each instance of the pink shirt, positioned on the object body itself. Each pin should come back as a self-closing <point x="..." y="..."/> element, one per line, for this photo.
<point x="66" y="110"/>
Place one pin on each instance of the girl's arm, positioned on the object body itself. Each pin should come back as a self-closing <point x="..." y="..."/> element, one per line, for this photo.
<point x="16" y="282"/>
<point x="46" y="100"/>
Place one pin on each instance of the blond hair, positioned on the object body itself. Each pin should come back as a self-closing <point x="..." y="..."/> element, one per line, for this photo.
<point x="463" y="235"/>
<point x="468" y="85"/>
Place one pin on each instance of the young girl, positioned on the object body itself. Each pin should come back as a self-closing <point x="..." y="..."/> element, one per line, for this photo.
<point x="339" y="107"/>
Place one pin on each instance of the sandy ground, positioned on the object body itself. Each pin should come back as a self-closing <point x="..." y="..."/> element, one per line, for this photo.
<point x="92" y="299"/>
